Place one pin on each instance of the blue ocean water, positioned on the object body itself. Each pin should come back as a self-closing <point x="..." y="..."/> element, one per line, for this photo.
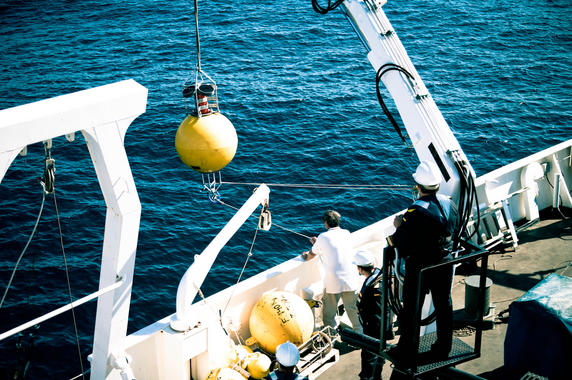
<point x="301" y="94"/>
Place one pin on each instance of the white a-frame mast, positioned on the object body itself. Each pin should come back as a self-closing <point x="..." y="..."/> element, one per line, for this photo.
<point x="103" y="115"/>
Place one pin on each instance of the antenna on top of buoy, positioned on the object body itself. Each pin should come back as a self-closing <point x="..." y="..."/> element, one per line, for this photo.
<point x="206" y="140"/>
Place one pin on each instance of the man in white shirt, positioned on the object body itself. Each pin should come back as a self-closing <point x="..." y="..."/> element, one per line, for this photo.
<point x="340" y="278"/>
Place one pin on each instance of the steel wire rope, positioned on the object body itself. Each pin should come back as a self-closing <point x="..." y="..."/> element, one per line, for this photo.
<point x="248" y="256"/>
<point x="197" y="33"/>
<point x="274" y="224"/>
<point x="323" y="186"/>
<point x="68" y="281"/>
<point x="24" y="250"/>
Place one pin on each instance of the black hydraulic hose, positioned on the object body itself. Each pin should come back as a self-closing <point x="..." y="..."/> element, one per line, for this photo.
<point x="462" y="207"/>
<point x="467" y="197"/>
<point x="393" y="296"/>
<point x="469" y="202"/>
<point x="475" y="200"/>
<point x="330" y="7"/>
<point x="395" y="304"/>
<point x="382" y="70"/>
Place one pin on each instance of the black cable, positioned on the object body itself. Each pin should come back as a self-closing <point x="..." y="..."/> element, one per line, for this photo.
<point x="395" y="303"/>
<point x="461" y="206"/>
<point x="467" y="197"/>
<point x="382" y="70"/>
<point x="475" y="200"/>
<point x="330" y="7"/>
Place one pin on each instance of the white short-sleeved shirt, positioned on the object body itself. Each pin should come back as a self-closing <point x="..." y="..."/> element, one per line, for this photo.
<point x="335" y="249"/>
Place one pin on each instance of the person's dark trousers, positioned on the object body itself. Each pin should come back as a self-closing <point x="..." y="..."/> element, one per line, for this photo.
<point x="371" y="364"/>
<point x="439" y="283"/>
<point x="405" y="347"/>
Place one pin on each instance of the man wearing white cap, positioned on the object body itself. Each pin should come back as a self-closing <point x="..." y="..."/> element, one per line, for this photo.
<point x="369" y="309"/>
<point x="287" y="356"/>
<point x="423" y="237"/>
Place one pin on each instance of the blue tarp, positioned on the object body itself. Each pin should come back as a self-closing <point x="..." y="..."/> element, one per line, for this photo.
<point x="539" y="334"/>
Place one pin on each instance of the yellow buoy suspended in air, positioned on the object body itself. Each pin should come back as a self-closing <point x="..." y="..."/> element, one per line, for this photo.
<point x="278" y="317"/>
<point x="207" y="143"/>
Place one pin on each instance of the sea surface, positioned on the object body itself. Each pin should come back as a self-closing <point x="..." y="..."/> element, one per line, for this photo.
<point x="301" y="94"/>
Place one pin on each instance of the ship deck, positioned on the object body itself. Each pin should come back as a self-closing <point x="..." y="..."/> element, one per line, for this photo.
<point x="543" y="248"/>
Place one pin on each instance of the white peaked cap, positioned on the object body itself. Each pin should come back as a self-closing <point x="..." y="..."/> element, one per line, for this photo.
<point x="287" y="354"/>
<point x="363" y="258"/>
<point x="427" y="174"/>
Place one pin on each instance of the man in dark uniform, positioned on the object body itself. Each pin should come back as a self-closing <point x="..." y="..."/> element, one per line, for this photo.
<point x="423" y="237"/>
<point x="369" y="310"/>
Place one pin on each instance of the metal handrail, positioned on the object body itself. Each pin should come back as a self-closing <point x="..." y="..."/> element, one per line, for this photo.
<point x="61" y="310"/>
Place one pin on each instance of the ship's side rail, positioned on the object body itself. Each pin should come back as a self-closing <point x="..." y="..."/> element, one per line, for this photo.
<point x="511" y="197"/>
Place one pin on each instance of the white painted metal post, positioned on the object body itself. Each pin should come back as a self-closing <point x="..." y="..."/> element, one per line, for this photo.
<point x="556" y="194"/>
<point x="119" y="244"/>
<point x="195" y="275"/>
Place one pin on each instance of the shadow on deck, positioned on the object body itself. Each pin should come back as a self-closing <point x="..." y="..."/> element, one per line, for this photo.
<point x="544" y="248"/>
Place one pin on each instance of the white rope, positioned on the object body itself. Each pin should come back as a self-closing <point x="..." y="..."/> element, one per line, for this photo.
<point x="24" y="250"/>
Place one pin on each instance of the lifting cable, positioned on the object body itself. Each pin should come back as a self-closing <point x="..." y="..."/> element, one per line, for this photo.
<point x="274" y="224"/>
<point x="68" y="283"/>
<point x="325" y="186"/>
<point x="248" y="256"/>
<point x="49" y="188"/>
<point x="47" y="183"/>
<point x="198" y="40"/>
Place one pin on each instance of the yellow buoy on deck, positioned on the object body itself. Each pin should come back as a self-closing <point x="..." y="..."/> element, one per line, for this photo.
<point x="278" y="317"/>
<point x="258" y="365"/>
<point x="207" y="143"/>
<point x="225" y="374"/>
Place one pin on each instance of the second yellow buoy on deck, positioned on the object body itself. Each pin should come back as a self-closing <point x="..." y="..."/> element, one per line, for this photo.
<point x="279" y="317"/>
